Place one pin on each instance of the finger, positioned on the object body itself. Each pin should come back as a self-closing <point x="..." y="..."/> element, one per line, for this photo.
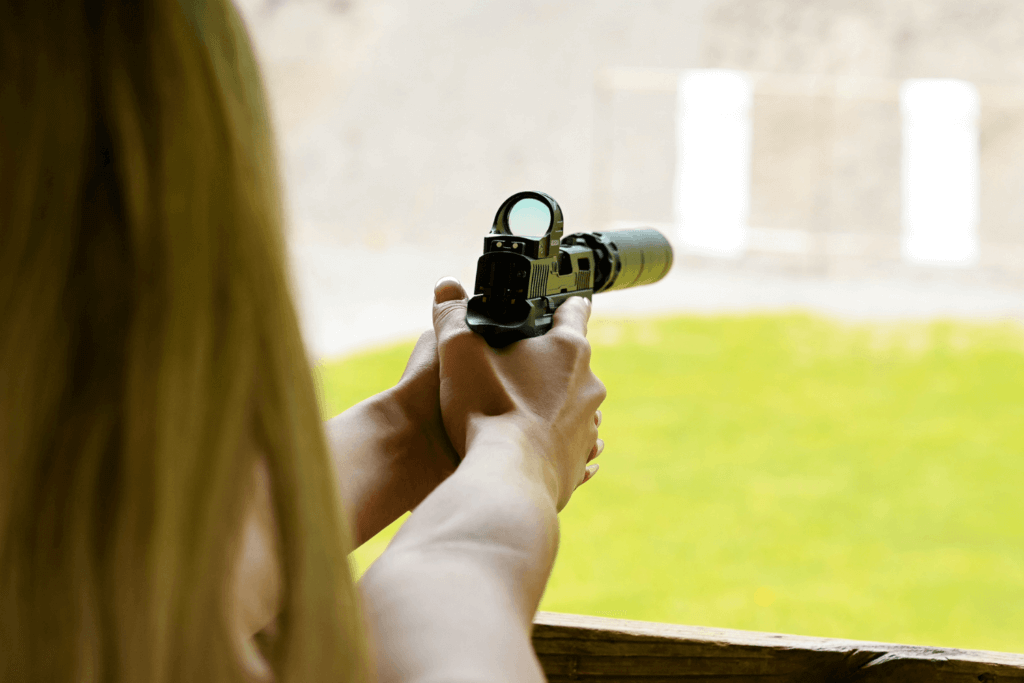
<point x="573" y="314"/>
<point x="597" y="418"/>
<point x="449" y="312"/>
<point x="596" y="450"/>
<point x="448" y="288"/>
<point x="589" y="473"/>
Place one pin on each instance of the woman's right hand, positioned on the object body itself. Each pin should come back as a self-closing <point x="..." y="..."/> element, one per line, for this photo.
<point x="541" y="388"/>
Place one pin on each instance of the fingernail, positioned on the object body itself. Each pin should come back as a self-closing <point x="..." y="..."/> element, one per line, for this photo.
<point x="447" y="289"/>
<point x="600" y="446"/>
<point x="447" y="278"/>
<point x="593" y="469"/>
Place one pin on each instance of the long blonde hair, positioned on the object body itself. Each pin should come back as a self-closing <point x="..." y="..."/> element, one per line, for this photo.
<point x="146" y="331"/>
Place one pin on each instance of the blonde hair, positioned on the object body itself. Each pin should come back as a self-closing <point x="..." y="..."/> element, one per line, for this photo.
<point x="146" y="332"/>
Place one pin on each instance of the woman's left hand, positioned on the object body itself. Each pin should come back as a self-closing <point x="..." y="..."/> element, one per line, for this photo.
<point x="391" y="450"/>
<point x="429" y="457"/>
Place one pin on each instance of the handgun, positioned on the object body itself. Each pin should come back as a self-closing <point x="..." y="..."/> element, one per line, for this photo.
<point x="528" y="269"/>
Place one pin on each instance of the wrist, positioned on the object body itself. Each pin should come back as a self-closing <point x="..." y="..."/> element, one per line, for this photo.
<point x="505" y="444"/>
<point x="414" y="410"/>
<point x="496" y="504"/>
<point x="374" y="425"/>
<point x="364" y="446"/>
<point x="419" y="453"/>
<point x="394" y="421"/>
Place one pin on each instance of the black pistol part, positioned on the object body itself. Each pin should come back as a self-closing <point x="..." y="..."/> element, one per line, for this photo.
<point x="522" y="279"/>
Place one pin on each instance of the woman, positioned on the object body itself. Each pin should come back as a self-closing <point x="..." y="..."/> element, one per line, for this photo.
<point x="170" y="506"/>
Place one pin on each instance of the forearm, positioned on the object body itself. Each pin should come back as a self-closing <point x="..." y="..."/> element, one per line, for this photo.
<point x="366" y="449"/>
<point x="453" y="597"/>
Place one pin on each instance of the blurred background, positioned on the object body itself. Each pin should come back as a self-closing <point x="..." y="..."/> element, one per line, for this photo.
<point x="404" y="124"/>
<point x="814" y="422"/>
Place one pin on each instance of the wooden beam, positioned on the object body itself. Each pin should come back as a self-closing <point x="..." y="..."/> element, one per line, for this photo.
<point x="579" y="648"/>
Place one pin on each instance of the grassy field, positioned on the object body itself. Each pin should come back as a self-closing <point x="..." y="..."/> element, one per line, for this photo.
<point x="788" y="473"/>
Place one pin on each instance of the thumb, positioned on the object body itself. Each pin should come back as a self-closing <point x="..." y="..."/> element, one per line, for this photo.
<point x="449" y="308"/>
<point x="448" y="289"/>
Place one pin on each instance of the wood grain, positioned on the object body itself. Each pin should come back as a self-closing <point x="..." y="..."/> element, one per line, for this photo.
<point x="579" y="648"/>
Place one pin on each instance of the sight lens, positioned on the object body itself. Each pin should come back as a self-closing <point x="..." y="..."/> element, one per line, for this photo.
<point x="529" y="217"/>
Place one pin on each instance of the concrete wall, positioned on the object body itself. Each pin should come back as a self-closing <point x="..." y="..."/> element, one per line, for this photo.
<point x="409" y="121"/>
<point x="976" y="40"/>
<point x="403" y="124"/>
<point x="827" y="160"/>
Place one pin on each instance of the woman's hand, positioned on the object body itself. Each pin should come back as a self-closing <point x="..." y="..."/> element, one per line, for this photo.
<point x="428" y="455"/>
<point x="541" y="389"/>
<point x="391" y="450"/>
<point x="470" y="565"/>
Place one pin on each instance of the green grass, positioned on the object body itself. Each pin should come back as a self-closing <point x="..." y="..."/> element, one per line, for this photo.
<point x="792" y="474"/>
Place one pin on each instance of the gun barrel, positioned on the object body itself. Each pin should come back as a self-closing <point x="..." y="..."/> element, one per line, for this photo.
<point x="626" y="258"/>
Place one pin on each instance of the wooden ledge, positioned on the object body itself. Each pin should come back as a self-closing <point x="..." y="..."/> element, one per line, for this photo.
<point x="579" y="648"/>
